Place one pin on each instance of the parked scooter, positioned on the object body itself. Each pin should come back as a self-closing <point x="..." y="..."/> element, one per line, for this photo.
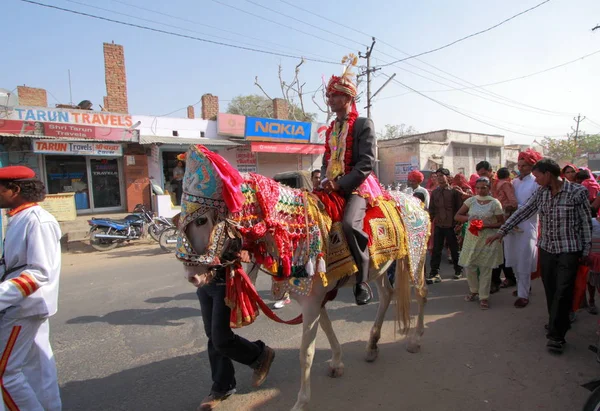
<point x="593" y="401"/>
<point x="105" y="233"/>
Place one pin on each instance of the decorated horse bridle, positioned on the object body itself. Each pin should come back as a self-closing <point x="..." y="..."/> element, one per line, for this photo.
<point x="224" y="242"/>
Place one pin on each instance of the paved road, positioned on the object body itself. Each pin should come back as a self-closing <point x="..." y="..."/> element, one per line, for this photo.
<point x="128" y="336"/>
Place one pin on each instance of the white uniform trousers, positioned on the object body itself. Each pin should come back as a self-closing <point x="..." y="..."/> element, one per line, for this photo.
<point x="27" y="367"/>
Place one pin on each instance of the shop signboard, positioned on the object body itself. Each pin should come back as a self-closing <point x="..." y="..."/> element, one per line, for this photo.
<point x="61" y="206"/>
<point x="317" y="135"/>
<point x="71" y="131"/>
<point x="77" y="148"/>
<point x="401" y="171"/>
<point x="231" y="125"/>
<point x="287" y="148"/>
<point x="245" y="160"/>
<point x="283" y="131"/>
<point x="79" y="117"/>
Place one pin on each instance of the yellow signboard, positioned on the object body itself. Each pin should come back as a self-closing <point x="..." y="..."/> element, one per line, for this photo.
<point x="61" y="206"/>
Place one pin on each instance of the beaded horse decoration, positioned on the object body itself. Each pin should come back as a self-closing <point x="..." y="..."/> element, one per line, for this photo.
<point x="287" y="230"/>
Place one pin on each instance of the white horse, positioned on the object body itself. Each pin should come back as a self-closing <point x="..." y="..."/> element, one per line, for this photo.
<point x="202" y="233"/>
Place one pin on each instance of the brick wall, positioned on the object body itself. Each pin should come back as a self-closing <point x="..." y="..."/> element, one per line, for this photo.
<point x="190" y="112"/>
<point x="280" y="109"/>
<point x="116" y="78"/>
<point x="30" y="96"/>
<point x="210" y="107"/>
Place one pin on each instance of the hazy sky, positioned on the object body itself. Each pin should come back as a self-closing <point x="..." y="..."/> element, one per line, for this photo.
<point x="167" y="73"/>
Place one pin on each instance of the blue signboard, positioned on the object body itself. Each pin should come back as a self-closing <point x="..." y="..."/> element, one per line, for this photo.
<point x="283" y="131"/>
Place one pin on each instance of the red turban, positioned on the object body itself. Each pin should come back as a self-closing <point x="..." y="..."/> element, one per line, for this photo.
<point x="530" y="156"/>
<point x="416" y="176"/>
<point x="344" y="83"/>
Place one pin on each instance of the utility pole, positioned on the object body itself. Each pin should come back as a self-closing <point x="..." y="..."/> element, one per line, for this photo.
<point x="576" y="130"/>
<point x="368" y="72"/>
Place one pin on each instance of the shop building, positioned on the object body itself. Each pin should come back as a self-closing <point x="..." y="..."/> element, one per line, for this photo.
<point x="72" y="151"/>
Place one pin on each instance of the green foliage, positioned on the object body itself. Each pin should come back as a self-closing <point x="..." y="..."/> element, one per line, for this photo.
<point x="396" y="131"/>
<point x="255" y="105"/>
<point x="571" y="150"/>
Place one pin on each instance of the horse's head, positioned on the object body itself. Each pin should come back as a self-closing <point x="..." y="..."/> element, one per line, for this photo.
<point x="211" y="192"/>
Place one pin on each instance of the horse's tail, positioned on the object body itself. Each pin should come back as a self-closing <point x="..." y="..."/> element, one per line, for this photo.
<point x="402" y="289"/>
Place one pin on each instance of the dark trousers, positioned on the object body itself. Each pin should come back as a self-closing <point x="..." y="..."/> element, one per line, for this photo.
<point x="223" y="344"/>
<point x="441" y="236"/>
<point x="508" y="273"/>
<point x="178" y="188"/>
<point x="558" y="275"/>
<point x="358" y="240"/>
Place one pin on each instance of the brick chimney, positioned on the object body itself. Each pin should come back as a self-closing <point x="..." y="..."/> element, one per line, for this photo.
<point x="210" y="107"/>
<point x="116" y="79"/>
<point x="30" y="96"/>
<point x="280" y="109"/>
<point x="190" y="112"/>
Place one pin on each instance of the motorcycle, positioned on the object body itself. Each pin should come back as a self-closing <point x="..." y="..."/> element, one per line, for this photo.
<point x="105" y="233"/>
<point x="593" y="401"/>
<point x="168" y="239"/>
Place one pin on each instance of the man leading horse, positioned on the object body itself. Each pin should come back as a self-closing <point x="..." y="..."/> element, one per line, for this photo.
<point x="348" y="169"/>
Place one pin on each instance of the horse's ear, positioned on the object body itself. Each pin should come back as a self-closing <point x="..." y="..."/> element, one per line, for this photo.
<point x="176" y="219"/>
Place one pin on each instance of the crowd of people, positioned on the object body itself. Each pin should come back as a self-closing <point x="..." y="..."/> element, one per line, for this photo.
<point x="537" y="221"/>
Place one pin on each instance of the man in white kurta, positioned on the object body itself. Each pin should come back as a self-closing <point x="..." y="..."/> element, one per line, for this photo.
<point x="520" y="246"/>
<point x="30" y="273"/>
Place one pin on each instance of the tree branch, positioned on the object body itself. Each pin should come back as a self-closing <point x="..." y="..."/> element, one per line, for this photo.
<point x="260" y="87"/>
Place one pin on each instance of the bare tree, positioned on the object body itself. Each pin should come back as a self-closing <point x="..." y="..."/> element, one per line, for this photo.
<point x="292" y="93"/>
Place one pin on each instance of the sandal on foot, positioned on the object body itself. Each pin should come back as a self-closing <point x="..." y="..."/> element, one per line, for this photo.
<point x="507" y="283"/>
<point x="213" y="400"/>
<point x="484" y="304"/>
<point x="471" y="297"/>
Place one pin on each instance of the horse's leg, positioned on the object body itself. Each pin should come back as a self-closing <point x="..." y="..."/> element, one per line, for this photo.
<point x="311" y="310"/>
<point x="414" y="342"/>
<point x="385" y="290"/>
<point x="336" y="366"/>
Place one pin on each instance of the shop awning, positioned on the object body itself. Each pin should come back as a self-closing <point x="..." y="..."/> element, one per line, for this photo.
<point x="287" y="148"/>
<point x="188" y="141"/>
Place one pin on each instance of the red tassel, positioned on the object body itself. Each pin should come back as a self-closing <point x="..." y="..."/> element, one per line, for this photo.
<point x="286" y="265"/>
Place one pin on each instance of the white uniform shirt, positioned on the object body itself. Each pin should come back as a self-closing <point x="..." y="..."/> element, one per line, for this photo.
<point x="425" y="193"/>
<point x="33" y="240"/>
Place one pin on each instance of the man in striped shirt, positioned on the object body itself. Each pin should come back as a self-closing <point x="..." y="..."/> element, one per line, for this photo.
<point x="564" y="243"/>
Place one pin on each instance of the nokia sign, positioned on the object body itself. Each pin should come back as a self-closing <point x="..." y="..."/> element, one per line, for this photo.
<point x="268" y="129"/>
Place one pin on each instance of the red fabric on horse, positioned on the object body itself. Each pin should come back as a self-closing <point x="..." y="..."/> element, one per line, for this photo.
<point x="372" y="212"/>
<point x="334" y="204"/>
<point x="243" y="300"/>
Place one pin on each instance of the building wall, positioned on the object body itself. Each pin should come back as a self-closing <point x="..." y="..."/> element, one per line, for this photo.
<point x="116" y="79"/>
<point x="390" y="154"/>
<point x="31" y="96"/>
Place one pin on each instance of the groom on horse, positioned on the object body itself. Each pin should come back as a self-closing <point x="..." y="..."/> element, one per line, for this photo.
<point x="348" y="169"/>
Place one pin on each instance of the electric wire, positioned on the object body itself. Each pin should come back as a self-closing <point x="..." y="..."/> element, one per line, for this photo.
<point x="469" y="36"/>
<point x="177" y="34"/>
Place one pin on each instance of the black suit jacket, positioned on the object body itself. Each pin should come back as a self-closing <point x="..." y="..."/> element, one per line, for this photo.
<point x="363" y="156"/>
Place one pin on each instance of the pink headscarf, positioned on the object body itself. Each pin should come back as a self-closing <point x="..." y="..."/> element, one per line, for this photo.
<point x="473" y="180"/>
<point x="591" y="184"/>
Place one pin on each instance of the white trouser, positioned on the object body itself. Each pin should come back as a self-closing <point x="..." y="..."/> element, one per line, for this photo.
<point x="523" y="284"/>
<point x="27" y="368"/>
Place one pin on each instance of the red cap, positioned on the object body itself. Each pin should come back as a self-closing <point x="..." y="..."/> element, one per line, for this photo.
<point x="16" y="173"/>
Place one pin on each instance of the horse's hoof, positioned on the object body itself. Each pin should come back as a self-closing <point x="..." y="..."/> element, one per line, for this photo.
<point x="413" y="347"/>
<point x="336" y="372"/>
<point x="372" y="355"/>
